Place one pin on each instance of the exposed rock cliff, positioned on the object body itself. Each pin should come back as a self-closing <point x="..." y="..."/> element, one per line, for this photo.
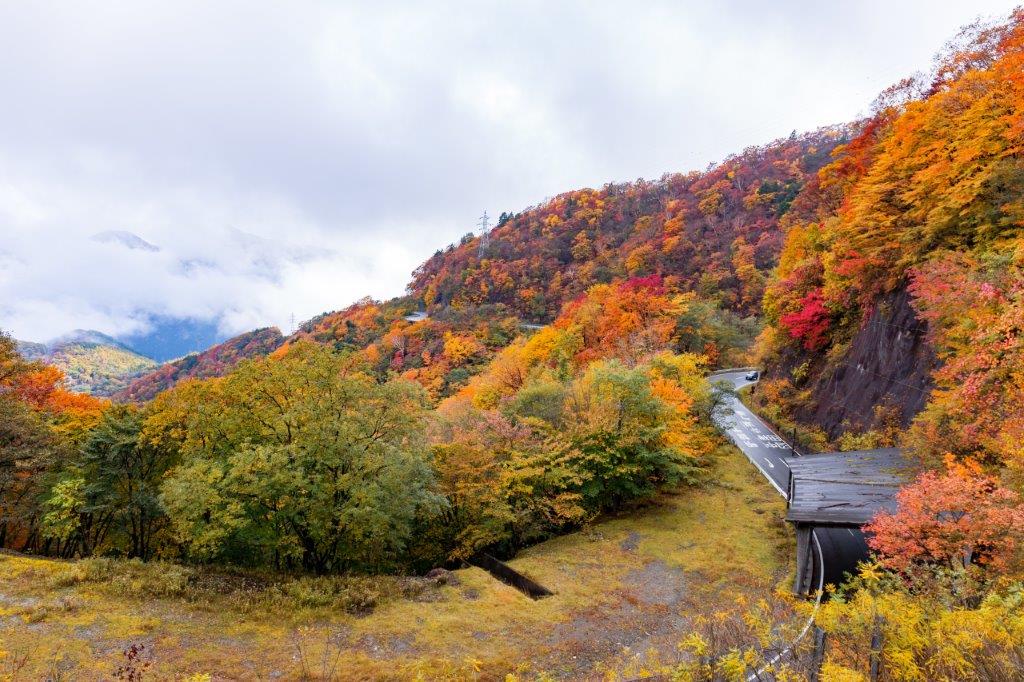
<point x="887" y="364"/>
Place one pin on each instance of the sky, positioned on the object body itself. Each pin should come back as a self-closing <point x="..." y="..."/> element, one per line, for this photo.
<point x="254" y="161"/>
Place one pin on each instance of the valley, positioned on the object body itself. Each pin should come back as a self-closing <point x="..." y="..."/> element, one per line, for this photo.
<point x="561" y="393"/>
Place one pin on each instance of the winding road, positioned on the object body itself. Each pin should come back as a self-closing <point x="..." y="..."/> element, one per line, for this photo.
<point x="762" y="446"/>
<point x="841" y="548"/>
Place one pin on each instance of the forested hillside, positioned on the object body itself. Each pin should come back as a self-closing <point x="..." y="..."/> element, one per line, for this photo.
<point x="902" y="282"/>
<point x="592" y="414"/>
<point x="715" y="232"/>
<point x="213" y="362"/>
<point x="91" y="362"/>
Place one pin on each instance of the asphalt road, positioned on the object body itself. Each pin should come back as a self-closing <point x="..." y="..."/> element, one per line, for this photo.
<point x="762" y="446"/>
<point x="841" y="548"/>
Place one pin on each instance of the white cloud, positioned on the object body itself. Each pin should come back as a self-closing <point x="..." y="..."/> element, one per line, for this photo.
<point x="289" y="158"/>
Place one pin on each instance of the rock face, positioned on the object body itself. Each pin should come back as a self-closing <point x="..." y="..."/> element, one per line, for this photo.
<point x="888" y="364"/>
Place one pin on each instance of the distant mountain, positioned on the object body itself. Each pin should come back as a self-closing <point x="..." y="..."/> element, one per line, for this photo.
<point x="213" y="362"/>
<point x="169" y="338"/>
<point x="88" y="336"/>
<point x="128" y="239"/>
<point x="92" y="361"/>
<point x="31" y="350"/>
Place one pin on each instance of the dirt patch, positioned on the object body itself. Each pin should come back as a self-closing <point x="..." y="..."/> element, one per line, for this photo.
<point x="631" y="542"/>
<point x="658" y="584"/>
<point x="647" y="616"/>
<point x="385" y="648"/>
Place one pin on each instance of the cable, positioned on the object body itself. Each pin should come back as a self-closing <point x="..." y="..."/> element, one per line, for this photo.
<point x="756" y="675"/>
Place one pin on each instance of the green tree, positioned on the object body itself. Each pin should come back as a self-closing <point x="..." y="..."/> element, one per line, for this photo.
<point x="308" y="462"/>
<point x="615" y="438"/>
<point x="122" y="474"/>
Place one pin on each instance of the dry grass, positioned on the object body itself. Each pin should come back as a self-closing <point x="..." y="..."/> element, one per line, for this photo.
<point x="627" y="583"/>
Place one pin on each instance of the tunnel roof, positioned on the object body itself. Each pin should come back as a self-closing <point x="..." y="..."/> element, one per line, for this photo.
<point x="845" y="488"/>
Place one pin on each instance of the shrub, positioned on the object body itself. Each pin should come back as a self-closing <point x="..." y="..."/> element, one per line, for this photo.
<point x="132" y="578"/>
<point x="247" y="591"/>
<point x="351" y="594"/>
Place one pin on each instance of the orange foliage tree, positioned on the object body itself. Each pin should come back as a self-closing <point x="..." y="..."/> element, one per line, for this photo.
<point x="958" y="518"/>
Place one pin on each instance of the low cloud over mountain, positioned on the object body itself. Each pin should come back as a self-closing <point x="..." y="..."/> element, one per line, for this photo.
<point x="246" y="162"/>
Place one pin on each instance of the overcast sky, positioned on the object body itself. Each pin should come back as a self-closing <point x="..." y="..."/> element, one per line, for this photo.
<point x="254" y="160"/>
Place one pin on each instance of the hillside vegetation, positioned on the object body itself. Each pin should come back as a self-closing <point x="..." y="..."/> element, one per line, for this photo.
<point x="716" y="233"/>
<point x="92" y="363"/>
<point x="926" y="201"/>
<point x="213" y="362"/>
<point x="553" y="408"/>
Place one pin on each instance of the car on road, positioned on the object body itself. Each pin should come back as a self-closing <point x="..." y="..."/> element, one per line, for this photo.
<point x="751" y="376"/>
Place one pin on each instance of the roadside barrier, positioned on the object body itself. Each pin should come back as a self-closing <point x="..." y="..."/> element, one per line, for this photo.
<point x="732" y="370"/>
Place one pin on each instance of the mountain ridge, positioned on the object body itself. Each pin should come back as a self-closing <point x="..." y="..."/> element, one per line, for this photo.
<point x="214" y="361"/>
<point x="715" y="232"/>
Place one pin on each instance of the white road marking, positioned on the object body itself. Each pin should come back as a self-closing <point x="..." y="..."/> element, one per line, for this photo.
<point x="740" y="408"/>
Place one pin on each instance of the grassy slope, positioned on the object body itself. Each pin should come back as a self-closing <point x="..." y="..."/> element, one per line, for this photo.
<point x="625" y="582"/>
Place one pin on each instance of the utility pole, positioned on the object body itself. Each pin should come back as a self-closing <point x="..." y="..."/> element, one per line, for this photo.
<point x="485" y="234"/>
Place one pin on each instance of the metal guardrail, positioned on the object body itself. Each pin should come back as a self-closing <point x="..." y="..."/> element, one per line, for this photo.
<point x="756" y="675"/>
<point x="731" y="370"/>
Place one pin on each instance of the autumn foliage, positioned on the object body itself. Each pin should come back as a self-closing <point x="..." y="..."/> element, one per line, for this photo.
<point x="809" y="324"/>
<point x="716" y="233"/>
<point x="926" y="198"/>
<point x="40" y="422"/>
<point x="960" y="517"/>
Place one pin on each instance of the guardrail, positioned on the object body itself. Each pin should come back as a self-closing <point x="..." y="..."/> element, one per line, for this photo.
<point x="733" y="369"/>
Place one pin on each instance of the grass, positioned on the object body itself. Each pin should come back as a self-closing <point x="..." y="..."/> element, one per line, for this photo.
<point x="626" y="584"/>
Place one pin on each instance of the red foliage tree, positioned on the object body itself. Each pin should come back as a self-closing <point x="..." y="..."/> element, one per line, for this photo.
<point x="960" y="517"/>
<point x="810" y="323"/>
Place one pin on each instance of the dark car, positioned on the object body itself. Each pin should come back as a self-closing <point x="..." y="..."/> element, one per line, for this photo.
<point x="751" y="376"/>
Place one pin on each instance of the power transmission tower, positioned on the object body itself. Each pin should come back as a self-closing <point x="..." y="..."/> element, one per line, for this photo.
<point x="291" y="324"/>
<point x="485" y="234"/>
